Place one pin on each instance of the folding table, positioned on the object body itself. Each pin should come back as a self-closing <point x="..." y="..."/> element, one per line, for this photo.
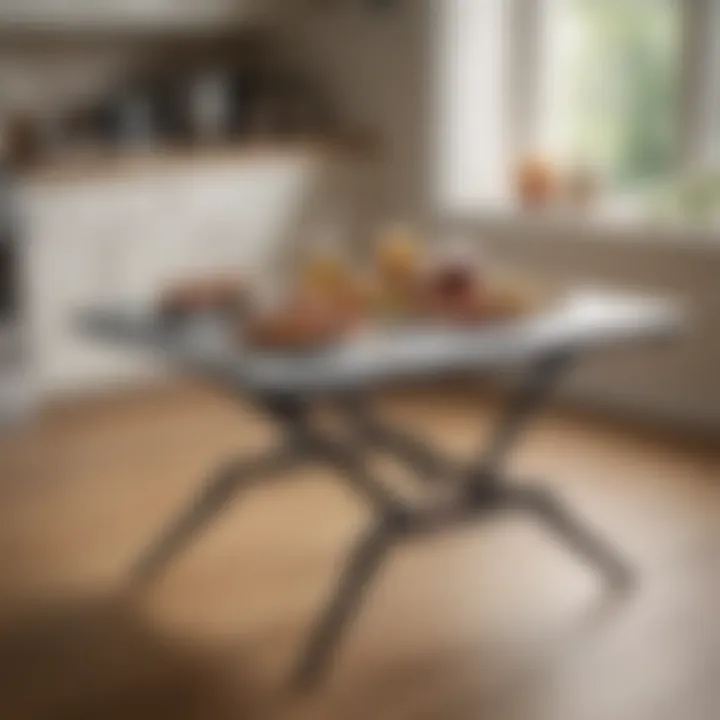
<point x="288" y="385"/>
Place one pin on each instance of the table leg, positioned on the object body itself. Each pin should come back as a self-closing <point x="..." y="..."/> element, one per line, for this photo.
<point x="573" y="531"/>
<point x="362" y="565"/>
<point x="425" y="461"/>
<point x="349" y="459"/>
<point x="213" y="498"/>
<point x="523" y="404"/>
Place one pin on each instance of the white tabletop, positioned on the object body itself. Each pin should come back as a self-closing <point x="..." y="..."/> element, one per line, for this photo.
<point x="581" y="321"/>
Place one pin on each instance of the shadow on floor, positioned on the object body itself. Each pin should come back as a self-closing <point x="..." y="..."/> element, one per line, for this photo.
<point x="101" y="659"/>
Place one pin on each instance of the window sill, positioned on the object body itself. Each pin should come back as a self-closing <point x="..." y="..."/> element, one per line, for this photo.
<point x="592" y="226"/>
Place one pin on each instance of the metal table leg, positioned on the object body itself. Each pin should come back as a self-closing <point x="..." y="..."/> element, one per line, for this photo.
<point x="427" y="463"/>
<point x="524" y="403"/>
<point x="361" y="567"/>
<point x="488" y="472"/>
<point x="227" y="481"/>
<point x="573" y="531"/>
<point x="222" y="486"/>
<point x="349" y="460"/>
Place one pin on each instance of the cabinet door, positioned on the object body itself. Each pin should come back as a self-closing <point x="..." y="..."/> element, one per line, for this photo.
<point x="73" y="241"/>
<point x="148" y="249"/>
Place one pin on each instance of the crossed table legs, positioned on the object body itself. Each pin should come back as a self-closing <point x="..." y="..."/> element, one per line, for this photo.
<point x="481" y="488"/>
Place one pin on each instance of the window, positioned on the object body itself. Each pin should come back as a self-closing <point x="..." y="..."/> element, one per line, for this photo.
<point x="629" y="88"/>
<point x="610" y="86"/>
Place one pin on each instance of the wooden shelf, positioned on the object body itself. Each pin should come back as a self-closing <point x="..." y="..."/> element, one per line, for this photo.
<point x="106" y="164"/>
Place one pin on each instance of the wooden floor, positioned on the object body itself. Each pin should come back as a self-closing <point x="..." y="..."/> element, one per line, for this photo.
<point x="496" y="621"/>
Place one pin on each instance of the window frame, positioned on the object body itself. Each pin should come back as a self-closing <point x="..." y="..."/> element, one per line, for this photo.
<point x="700" y="120"/>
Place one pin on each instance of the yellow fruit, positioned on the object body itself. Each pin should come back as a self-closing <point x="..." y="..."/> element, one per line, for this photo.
<point x="397" y="256"/>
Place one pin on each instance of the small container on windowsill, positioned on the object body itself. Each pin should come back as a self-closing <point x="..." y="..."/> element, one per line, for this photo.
<point x="536" y="183"/>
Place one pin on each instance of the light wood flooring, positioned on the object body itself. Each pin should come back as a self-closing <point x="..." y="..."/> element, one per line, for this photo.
<point x="496" y="621"/>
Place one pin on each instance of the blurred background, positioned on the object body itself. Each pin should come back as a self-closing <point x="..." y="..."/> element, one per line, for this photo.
<point x="575" y="141"/>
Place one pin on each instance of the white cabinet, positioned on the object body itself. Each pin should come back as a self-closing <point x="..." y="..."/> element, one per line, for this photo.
<point x="119" y="238"/>
<point x="73" y="237"/>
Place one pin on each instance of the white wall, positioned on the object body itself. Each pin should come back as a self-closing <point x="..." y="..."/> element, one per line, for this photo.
<point x="45" y="81"/>
<point x="677" y="383"/>
<point x="376" y="66"/>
